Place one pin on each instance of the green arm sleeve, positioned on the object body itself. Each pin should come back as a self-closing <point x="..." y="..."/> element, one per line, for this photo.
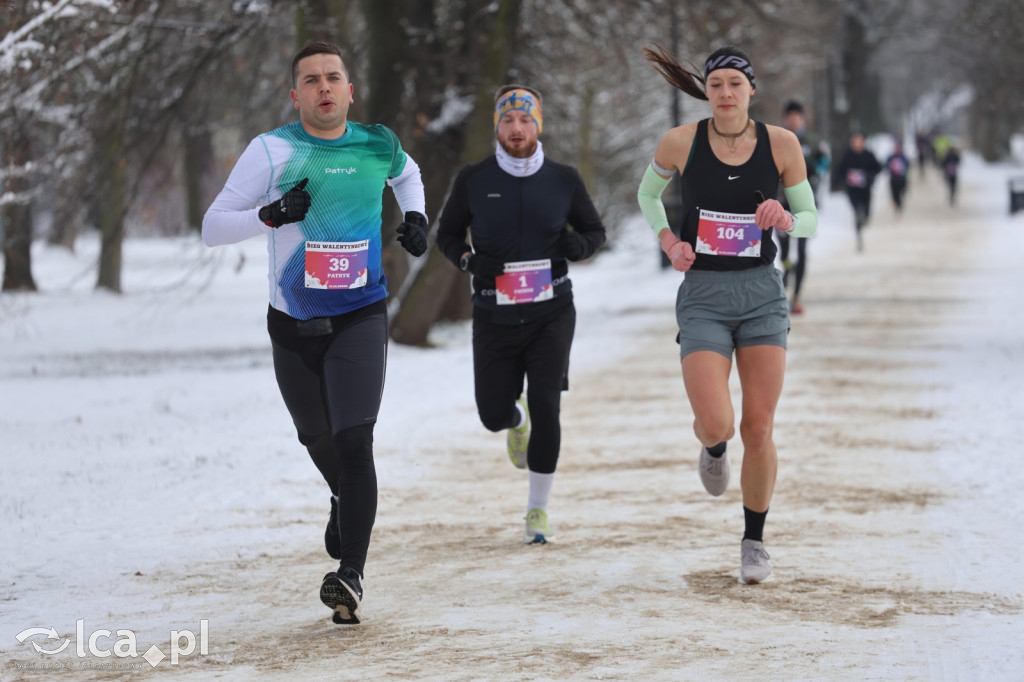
<point x="649" y="198"/>
<point x="801" y="202"/>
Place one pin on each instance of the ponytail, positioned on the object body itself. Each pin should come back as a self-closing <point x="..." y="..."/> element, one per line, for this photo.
<point x="690" y="82"/>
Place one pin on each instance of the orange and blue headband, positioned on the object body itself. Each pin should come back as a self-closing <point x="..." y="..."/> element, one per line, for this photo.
<point x="519" y="100"/>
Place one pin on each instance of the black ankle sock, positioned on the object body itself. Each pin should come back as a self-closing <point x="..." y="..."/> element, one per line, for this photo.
<point x="717" y="450"/>
<point x="754" y="524"/>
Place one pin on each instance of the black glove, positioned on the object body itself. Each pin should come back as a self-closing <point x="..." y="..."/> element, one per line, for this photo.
<point x="572" y="245"/>
<point x="483" y="266"/>
<point x="291" y="208"/>
<point x="412" y="234"/>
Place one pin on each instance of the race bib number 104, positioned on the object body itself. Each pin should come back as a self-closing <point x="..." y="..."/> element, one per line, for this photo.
<point x="728" y="234"/>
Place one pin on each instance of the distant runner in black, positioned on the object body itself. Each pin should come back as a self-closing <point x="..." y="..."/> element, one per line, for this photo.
<point x="857" y="170"/>
<point x="950" y="171"/>
<point x="898" y="166"/>
<point x="817" y="161"/>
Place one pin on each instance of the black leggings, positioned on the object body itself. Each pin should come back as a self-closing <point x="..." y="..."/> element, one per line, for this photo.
<point x="798" y="268"/>
<point x="860" y="200"/>
<point x="332" y="384"/>
<point x="898" y="188"/>
<point x="538" y="351"/>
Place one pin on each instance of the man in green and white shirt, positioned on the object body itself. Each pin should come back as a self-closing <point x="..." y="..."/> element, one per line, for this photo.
<point x="314" y="189"/>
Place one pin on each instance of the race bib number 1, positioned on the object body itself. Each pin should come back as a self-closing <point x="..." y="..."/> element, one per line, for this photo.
<point x="336" y="265"/>
<point x="728" y="234"/>
<point x="526" y="281"/>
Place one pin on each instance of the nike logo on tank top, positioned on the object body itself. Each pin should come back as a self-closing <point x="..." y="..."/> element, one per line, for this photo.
<point x="720" y="201"/>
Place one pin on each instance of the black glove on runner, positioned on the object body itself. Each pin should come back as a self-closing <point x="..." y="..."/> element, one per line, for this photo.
<point x="412" y="234"/>
<point x="291" y="208"/>
<point x="572" y="245"/>
<point x="483" y="266"/>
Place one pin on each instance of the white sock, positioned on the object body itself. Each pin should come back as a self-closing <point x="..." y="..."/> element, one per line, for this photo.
<point x="522" y="415"/>
<point x="540" y="490"/>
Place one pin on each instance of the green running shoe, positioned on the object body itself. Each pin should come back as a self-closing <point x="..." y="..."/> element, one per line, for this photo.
<point x="518" y="439"/>
<point x="538" y="532"/>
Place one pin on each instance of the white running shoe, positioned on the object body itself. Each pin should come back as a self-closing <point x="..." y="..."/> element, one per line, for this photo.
<point x="754" y="567"/>
<point x="518" y="439"/>
<point x="714" y="472"/>
<point x="538" y="532"/>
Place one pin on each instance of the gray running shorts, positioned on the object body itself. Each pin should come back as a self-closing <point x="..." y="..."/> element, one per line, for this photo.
<point x="722" y="311"/>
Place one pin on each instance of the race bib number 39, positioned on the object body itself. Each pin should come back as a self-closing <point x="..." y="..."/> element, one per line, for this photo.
<point x="728" y="234"/>
<point x="524" y="282"/>
<point x="336" y="265"/>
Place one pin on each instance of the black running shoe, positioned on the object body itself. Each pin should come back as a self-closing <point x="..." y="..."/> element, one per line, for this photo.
<point x="332" y="537"/>
<point x="342" y="592"/>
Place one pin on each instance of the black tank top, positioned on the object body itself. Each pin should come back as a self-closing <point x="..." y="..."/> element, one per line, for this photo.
<point x="717" y="188"/>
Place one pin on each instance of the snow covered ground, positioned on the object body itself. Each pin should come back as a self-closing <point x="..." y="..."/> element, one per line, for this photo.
<point x="152" y="480"/>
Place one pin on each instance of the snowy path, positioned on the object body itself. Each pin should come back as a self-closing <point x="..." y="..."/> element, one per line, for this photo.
<point x="891" y="532"/>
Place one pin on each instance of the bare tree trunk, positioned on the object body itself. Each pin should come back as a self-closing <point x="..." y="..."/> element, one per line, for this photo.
<point x="586" y="131"/>
<point x="860" y="83"/>
<point x="437" y="283"/>
<point x="992" y="117"/>
<point x="112" y="182"/>
<point x="67" y="214"/>
<point x="838" y="121"/>
<point x="17" y="215"/>
<point x="70" y="208"/>
<point x="319" y="20"/>
<point x="390" y="58"/>
<point x="198" y="160"/>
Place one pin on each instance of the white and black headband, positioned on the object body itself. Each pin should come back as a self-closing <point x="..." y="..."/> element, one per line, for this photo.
<point x="727" y="58"/>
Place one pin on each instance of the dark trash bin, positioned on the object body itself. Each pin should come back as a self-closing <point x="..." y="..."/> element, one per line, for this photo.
<point x="1016" y="194"/>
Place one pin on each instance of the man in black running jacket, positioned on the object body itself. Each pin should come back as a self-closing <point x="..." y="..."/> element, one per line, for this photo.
<point x="526" y="217"/>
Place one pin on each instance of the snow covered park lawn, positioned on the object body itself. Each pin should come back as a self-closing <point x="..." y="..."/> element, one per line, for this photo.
<point x="152" y="479"/>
